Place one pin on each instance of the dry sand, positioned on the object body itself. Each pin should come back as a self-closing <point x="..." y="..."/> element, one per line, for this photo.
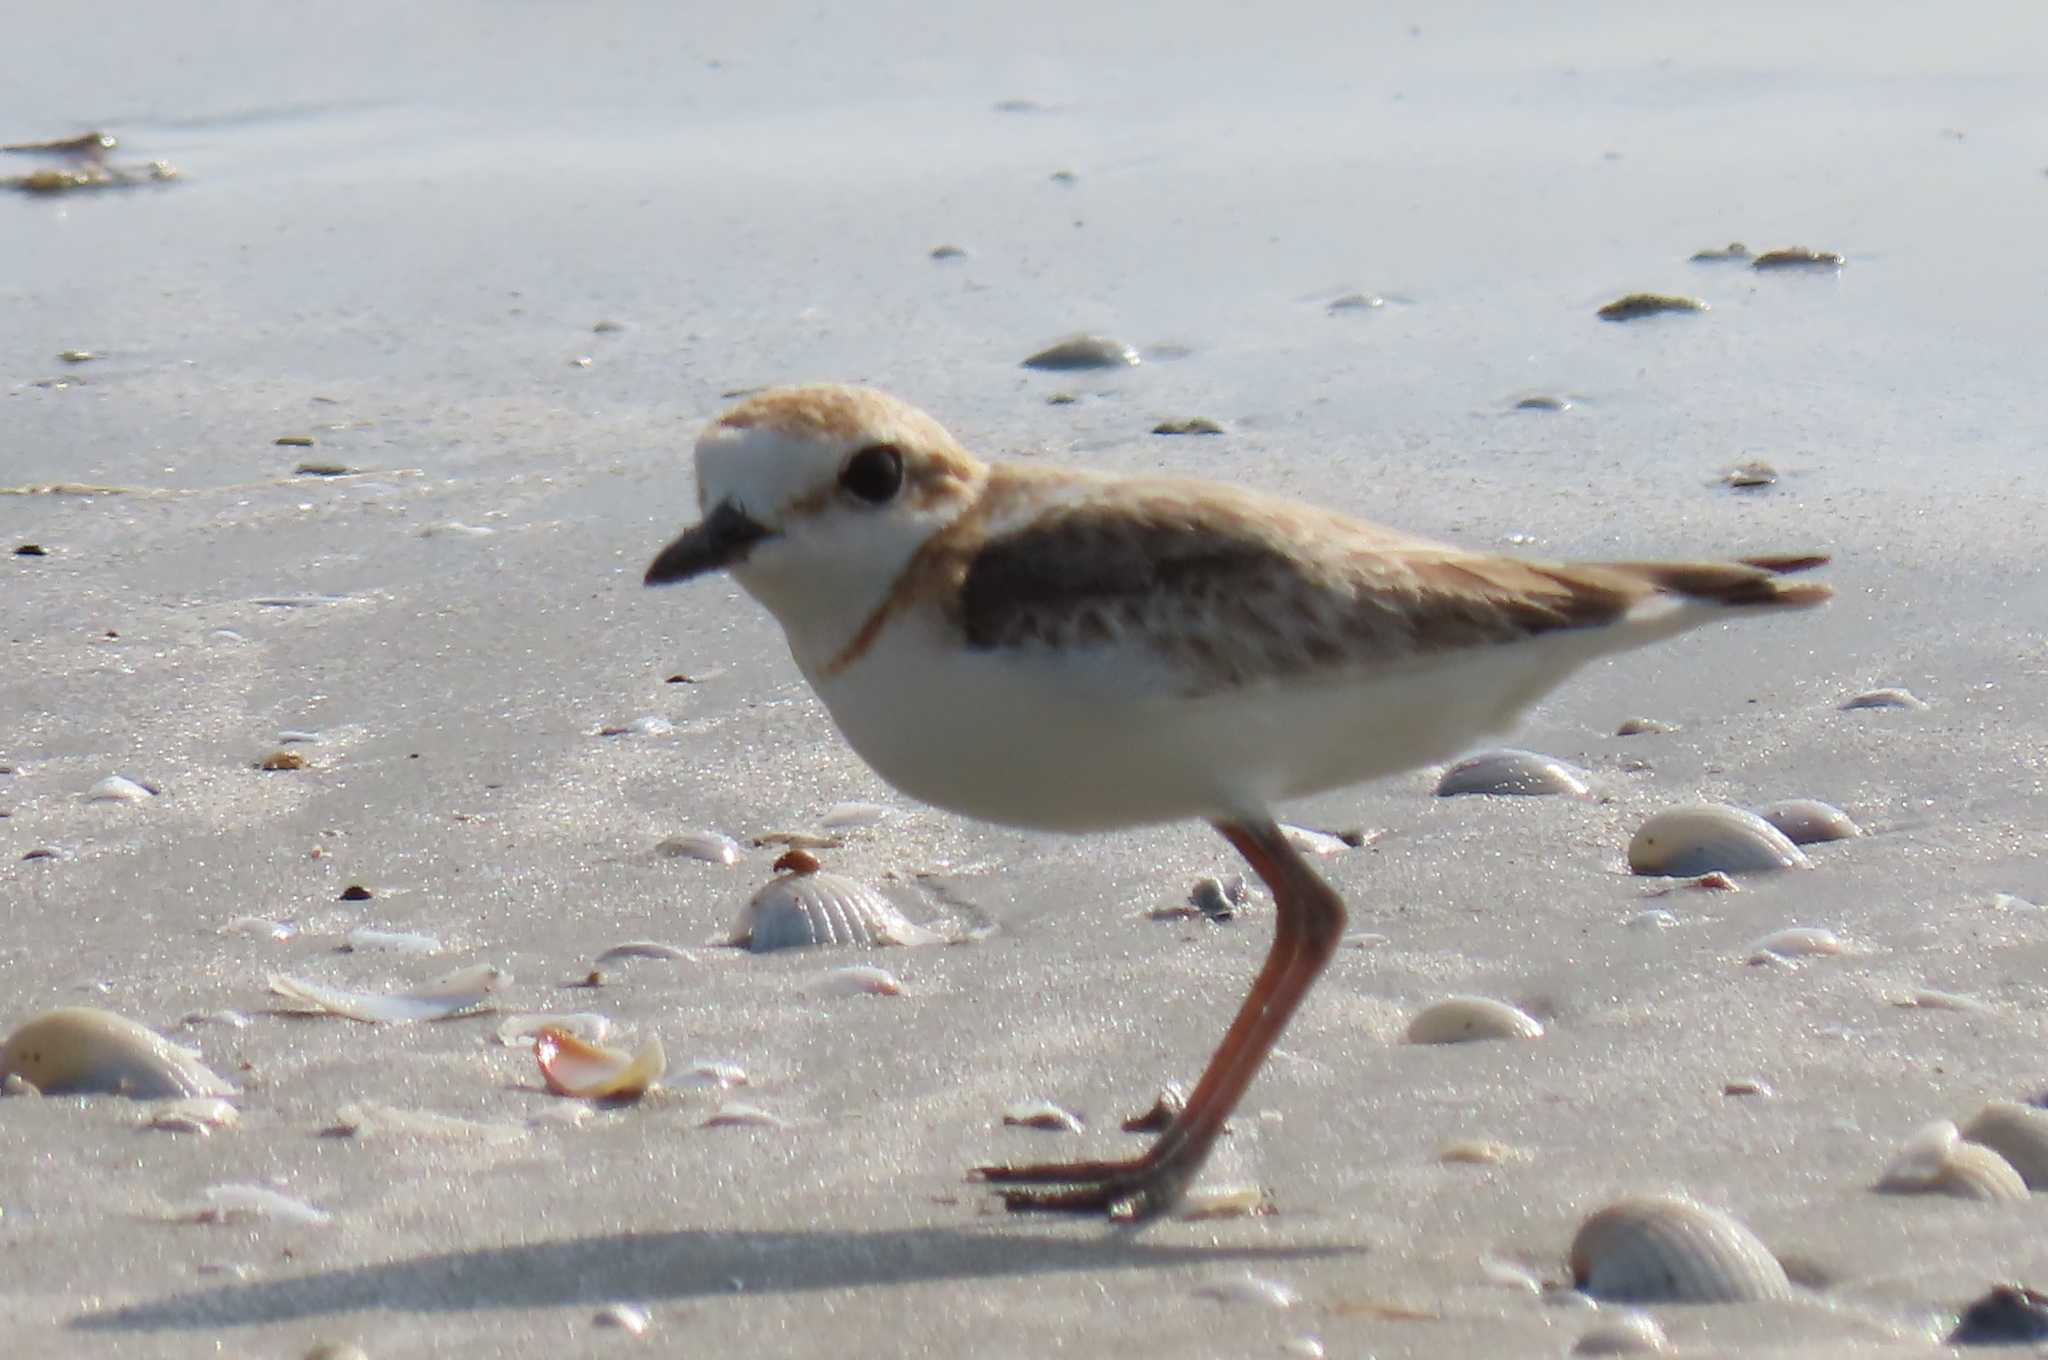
<point x="396" y="234"/>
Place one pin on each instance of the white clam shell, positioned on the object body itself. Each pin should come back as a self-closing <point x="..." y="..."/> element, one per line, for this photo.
<point x="1685" y="842"/>
<point x="117" y="788"/>
<point x="365" y="940"/>
<point x="1510" y="772"/>
<point x="734" y="1115"/>
<point x="1885" y="698"/>
<point x="571" y="1067"/>
<point x="1808" y="821"/>
<point x="464" y="990"/>
<point x="860" y="979"/>
<point x="1042" y="1114"/>
<point x="1463" y="1019"/>
<point x="1936" y="1161"/>
<point x="85" y="1049"/>
<point x="223" y="1203"/>
<point x="794" y="910"/>
<point x="1665" y="1250"/>
<point x="195" y="1114"/>
<point x="1626" y="1333"/>
<point x="712" y="847"/>
<point x="2018" y="1133"/>
<point x="1796" y="942"/>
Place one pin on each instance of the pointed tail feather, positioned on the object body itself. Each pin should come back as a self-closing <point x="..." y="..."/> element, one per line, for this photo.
<point x="1747" y="583"/>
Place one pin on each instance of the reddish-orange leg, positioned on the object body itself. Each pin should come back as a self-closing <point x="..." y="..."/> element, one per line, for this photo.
<point x="1310" y="919"/>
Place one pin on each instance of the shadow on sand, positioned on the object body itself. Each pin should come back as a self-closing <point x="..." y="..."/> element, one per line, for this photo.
<point x="669" y="1265"/>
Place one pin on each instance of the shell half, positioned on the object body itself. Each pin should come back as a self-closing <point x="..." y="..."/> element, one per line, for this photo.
<point x="797" y="910"/>
<point x="1665" y="1250"/>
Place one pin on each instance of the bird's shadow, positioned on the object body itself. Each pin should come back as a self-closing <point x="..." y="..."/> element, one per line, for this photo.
<point x="686" y="1264"/>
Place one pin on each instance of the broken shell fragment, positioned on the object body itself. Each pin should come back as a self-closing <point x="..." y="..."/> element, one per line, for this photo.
<point x="1685" y="842"/>
<point x="1083" y="351"/>
<point x="197" y="1114"/>
<point x="585" y="1025"/>
<point x="1509" y="772"/>
<point x="733" y="1115"/>
<point x="1166" y="1108"/>
<point x="1808" y="821"/>
<point x="1042" y="1114"/>
<point x="571" y="1067"/>
<point x="1462" y="1019"/>
<point x="1796" y="942"/>
<point x="860" y="979"/>
<point x="645" y="949"/>
<point x="1936" y="1161"/>
<point x="1626" y="1334"/>
<point x="228" y="1203"/>
<point x="90" y="1051"/>
<point x="1636" y="727"/>
<point x="712" y="847"/>
<point x="364" y="940"/>
<point x="119" y="788"/>
<point x="1662" y="1250"/>
<point x="2009" y="1315"/>
<point x="467" y="990"/>
<point x="1797" y="257"/>
<point x="795" y="910"/>
<point x="627" y="1317"/>
<point x="1884" y="698"/>
<point x="848" y="816"/>
<point x="2018" y="1133"/>
<point x="1219" y="899"/>
<point x="1634" y="305"/>
<point x="1475" y="1152"/>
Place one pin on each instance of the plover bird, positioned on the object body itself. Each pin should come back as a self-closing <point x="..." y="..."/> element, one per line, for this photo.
<point x="1072" y="651"/>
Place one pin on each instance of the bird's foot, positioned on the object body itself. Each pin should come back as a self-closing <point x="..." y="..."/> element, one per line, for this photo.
<point x="1127" y="1192"/>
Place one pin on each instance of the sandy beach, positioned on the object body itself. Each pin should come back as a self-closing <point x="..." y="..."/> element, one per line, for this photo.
<point x="500" y="265"/>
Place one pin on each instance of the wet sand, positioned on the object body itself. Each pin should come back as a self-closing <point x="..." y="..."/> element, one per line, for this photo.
<point x="398" y="239"/>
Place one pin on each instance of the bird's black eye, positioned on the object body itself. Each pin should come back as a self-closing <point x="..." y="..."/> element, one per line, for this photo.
<point x="875" y="474"/>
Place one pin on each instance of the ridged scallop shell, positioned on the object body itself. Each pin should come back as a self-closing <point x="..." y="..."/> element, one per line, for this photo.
<point x="1462" y="1019"/>
<point x="1509" y="772"/>
<point x="1808" y="821"/>
<point x="2018" y="1133"/>
<point x="1685" y="842"/>
<point x="1662" y="1250"/>
<point x="794" y="910"/>
<point x="1936" y="1161"/>
<point x="88" y="1050"/>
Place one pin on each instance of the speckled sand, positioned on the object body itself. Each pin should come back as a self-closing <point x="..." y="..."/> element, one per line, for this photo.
<point x="396" y="235"/>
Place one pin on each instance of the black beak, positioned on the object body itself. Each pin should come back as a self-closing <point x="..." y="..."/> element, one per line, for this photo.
<point x="725" y="536"/>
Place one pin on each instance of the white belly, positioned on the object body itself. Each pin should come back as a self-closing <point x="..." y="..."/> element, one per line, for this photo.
<point x="1104" y="740"/>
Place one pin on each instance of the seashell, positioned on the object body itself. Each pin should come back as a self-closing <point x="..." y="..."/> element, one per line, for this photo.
<point x="1511" y="1275"/>
<point x="1042" y="1114"/>
<point x="1624" y="1334"/>
<point x="327" y="1350"/>
<point x="794" y="910"/>
<point x="1684" y="842"/>
<point x="279" y="931"/>
<point x="571" y="1067"/>
<point x="297" y="736"/>
<point x="1808" y="821"/>
<point x="1310" y="841"/>
<point x="1748" y="1086"/>
<point x="2009" y="1315"/>
<point x="629" y="1318"/>
<point x="466" y="990"/>
<point x="653" y="725"/>
<point x="231" y="1019"/>
<point x="1248" y="1289"/>
<point x="1083" y="351"/>
<point x="86" y="1050"/>
<point x="1462" y="1019"/>
<point x="798" y="840"/>
<point x="1797" y="257"/>
<point x="367" y="1119"/>
<point x="1543" y="402"/>
<point x="1796" y="942"/>
<point x="1656" y="918"/>
<point x="197" y="1114"/>
<point x="1734" y="250"/>
<point x="2018" y="1133"/>
<point x="584" y="1025"/>
<point x="1662" y="1250"/>
<point x="355" y="892"/>
<point x="733" y="1115"/>
<point x="1228" y="1201"/>
<point x="1746" y="476"/>
<point x="1476" y="1152"/>
<point x="229" y="1203"/>
<point x="710" y="846"/>
<point x="1354" y="302"/>
<point x="847" y="816"/>
<point x="1928" y="999"/>
<point x="364" y="940"/>
<point x="1884" y="698"/>
<point x="1936" y="1161"/>
<point x="645" y="949"/>
<point x="1303" y="1348"/>
<point x="1509" y="772"/>
<point x="711" y="1072"/>
<point x="860" y="979"/>
<point x="282" y="760"/>
<point x="1188" y="425"/>
<point x="116" y="788"/>
<point x="1637" y="727"/>
<point x="1632" y="306"/>
<point x="1219" y="899"/>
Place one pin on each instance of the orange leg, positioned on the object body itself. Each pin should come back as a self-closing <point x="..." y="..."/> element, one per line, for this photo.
<point x="1310" y="919"/>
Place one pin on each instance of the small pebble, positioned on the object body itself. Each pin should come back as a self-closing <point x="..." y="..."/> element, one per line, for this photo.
<point x="1543" y="403"/>
<point x="1355" y="302"/>
<point x="1734" y="250"/>
<point x="1637" y="727"/>
<point x="76" y="356"/>
<point x="1748" y="475"/>
<point x="607" y="327"/>
<point x="1475" y="1152"/>
<point x="1635" y="305"/>
<point x="282" y="760"/>
<point x="355" y="892"/>
<point x="1748" y="1088"/>
<point x="1188" y="425"/>
<point x="322" y="470"/>
<point x="294" y="441"/>
<point x="947" y="252"/>
<point x="31" y="550"/>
